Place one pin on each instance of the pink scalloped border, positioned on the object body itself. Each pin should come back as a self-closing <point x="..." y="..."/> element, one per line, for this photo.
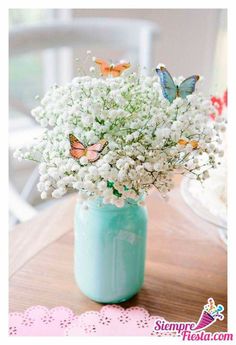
<point x="111" y="320"/>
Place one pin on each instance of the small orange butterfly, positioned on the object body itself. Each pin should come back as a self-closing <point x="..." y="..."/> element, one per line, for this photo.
<point x="92" y="152"/>
<point x="184" y="142"/>
<point x="114" y="70"/>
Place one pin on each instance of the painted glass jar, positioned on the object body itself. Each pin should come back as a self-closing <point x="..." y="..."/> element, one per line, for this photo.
<point x="109" y="252"/>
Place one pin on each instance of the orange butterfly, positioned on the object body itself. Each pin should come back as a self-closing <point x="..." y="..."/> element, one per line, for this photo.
<point x="184" y="142"/>
<point x="92" y="152"/>
<point x="114" y="70"/>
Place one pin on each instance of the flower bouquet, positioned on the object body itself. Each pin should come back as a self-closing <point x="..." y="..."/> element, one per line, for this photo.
<point x="112" y="135"/>
<point x="208" y="199"/>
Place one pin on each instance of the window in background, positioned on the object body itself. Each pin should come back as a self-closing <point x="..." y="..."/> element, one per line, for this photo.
<point x="25" y="71"/>
<point x="220" y="60"/>
<point x="30" y="74"/>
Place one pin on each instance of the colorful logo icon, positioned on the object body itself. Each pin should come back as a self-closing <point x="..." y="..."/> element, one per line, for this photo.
<point x="210" y="313"/>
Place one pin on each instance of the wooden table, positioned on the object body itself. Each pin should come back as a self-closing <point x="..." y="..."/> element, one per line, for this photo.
<point x="186" y="262"/>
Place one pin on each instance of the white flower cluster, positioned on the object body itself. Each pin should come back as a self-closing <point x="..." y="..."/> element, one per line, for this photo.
<point x="141" y="127"/>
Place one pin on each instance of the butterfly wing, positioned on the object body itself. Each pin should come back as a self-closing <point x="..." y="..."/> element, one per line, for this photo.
<point x="98" y="146"/>
<point x="184" y="142"/>
<point x="187" y="87"/>
<point x="169" y="89"/>
<point x="93" y="151"/>
<point x="77" y="148"/>
<point x="104" y="66"/>
<point x="118" y="69"/>
<point x="194" y="144"/>
<point x="92" y="156"/>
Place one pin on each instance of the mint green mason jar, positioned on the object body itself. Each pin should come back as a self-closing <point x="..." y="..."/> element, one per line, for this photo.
<point x="109" y="252"/>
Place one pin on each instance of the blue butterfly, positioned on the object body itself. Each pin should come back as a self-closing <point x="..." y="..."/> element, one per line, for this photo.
<point x="170" y="90"/>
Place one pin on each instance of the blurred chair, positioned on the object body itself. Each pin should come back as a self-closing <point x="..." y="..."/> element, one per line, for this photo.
<point x="113" y="32"/>
<point x="135" y="38"/>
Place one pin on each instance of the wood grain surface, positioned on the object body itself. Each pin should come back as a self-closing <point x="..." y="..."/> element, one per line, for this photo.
<point x="186" y="262"/>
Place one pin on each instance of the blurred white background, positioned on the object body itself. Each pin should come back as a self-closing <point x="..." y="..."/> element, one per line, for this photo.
<point x="191" y="41"/>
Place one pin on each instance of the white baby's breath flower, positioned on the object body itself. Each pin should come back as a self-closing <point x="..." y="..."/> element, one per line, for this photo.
<point x="44" y="195"/>
<point x="142" y="130"/>
<point x="84" y="160"/>
<point x="160" y="65"/>
<point x="58" y="193"/>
